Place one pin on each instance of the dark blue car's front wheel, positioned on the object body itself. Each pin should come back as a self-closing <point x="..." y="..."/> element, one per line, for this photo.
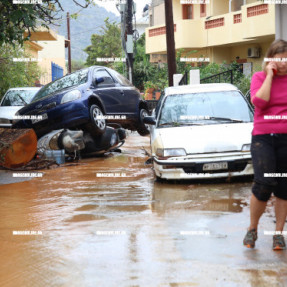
<point x="142" y="128"/>
<point x="97" y="124"/>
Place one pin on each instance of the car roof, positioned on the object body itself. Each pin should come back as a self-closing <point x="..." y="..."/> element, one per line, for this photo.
<point x="186" y="89"/>
<point x="98" y="67"/>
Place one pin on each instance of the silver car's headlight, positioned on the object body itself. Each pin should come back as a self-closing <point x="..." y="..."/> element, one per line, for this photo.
<point x="169" y="152"/>
<point x="71" y="96"/>
<point x="246" y="147"/>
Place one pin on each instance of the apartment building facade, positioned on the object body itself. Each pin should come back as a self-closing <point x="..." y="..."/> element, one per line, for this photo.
<point x="220" y="30"/>
<point x="49" y="49"/>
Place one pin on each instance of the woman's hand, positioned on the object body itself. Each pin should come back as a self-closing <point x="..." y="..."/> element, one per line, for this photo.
<point x="264" y="91"/>
<point x="269" y="69"/>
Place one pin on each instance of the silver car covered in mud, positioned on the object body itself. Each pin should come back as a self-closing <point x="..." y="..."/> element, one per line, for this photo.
<point x="201" y="131"/>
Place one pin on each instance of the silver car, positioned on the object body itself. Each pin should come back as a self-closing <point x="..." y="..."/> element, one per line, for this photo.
<point x="13" y="100"/>
<point x="201" y="131"/>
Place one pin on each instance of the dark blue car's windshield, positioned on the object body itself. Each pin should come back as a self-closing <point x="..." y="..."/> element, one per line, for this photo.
<point x="74" y="79"/>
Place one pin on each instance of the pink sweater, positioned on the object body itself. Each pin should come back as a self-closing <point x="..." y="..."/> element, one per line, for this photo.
<point x="276" y="107"/>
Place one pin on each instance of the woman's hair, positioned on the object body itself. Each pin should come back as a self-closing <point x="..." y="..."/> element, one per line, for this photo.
<point x="277" y="47"/>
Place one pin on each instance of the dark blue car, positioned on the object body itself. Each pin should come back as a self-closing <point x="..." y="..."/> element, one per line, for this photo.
<point x="88" y="99"/>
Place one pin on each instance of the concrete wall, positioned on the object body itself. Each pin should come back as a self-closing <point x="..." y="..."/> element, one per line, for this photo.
<point x="53" y="51"/>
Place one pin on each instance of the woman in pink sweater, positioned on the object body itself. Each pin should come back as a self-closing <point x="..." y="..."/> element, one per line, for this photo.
<point x="269" y="142"/>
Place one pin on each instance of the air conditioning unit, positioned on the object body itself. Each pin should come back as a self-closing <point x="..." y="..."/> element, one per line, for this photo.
<point x="253" y="53"/>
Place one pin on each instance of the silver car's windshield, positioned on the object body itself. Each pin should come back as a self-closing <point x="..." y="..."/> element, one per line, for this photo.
<point x="18" y="97"/>
<point x="204" y="108"/>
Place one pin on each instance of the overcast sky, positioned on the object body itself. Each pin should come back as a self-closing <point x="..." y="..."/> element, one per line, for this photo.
<point x="111" y="6"/>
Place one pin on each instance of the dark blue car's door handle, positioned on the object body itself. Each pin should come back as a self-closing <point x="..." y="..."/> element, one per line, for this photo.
<point x="122" y="92"/>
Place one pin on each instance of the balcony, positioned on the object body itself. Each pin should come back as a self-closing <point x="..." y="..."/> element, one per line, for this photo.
<point x="254" y="21"/>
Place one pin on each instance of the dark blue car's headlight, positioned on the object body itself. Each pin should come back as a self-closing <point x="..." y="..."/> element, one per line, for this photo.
<point x="71" y="96"/>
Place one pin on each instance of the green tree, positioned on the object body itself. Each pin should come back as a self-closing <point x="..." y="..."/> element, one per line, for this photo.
<point x="105" y="45"/>
<point x="143" y="69"/>
<point x="18" y="18"/>
<point x="77" y="65"/>
<point x="16" y="74"/>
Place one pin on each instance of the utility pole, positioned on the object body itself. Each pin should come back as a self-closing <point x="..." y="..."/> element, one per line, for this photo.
<point x="69" y="44"/>
<point x="129" y="42"/>
<point x="170" y="44"/>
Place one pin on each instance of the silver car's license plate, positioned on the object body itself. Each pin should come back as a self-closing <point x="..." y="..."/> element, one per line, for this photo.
<point x="215" y="166"/>
<point x="40" y="118"/>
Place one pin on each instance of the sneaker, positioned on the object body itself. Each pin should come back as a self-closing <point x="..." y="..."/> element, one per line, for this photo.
<point x="278" y="242"/>
<point x="250" y="238"/>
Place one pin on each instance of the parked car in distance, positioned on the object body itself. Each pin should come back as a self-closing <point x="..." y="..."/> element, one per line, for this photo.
<point x="13" y="100"/>
<point x="88" y="99"/>
<point x="201" y="131"/>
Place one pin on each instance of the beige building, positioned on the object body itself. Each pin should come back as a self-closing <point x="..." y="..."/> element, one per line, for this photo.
<point x="223" y="30"/>
<point x="49" y="50"/>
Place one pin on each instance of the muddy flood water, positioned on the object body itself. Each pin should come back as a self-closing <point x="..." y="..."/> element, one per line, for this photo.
<point x="87" y="230"/>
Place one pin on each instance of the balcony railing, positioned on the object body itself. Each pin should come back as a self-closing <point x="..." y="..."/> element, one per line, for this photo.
<point x="214" y="23"/>
<point x="159" y="31"/>
<point x="257" y="10"/>
<point x="237" y="18"/>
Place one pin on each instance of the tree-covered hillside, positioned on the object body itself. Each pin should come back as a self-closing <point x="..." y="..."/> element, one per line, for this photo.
<point x="88" y="22"/>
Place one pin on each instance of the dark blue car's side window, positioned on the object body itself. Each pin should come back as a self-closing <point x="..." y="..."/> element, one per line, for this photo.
<point x="121" y="79"/>
<point x="108" y="80"/>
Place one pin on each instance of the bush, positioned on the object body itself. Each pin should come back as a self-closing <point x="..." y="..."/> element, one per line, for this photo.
<point x="16" y="74"/>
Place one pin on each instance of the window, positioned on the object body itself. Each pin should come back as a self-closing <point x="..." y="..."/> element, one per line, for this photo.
<point x="202" y="10"/>
<point x="187" y="11"/>
<point x="108" y="80"/>
<point x="121" y="79"/>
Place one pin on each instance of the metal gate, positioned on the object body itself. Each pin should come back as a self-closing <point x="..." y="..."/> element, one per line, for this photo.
<point x="57" y="71"/>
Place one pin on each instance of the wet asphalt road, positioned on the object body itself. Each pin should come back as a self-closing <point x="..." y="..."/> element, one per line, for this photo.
<point x="130" y="231"/>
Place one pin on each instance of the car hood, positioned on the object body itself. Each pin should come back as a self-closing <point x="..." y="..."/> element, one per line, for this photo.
<point x="207" y="138"/>
<point x="42" y="104"/>
<point x="9" y="112"/>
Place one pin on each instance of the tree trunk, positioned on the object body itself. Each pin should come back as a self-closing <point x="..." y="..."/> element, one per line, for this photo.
<point x="17" y="147"/>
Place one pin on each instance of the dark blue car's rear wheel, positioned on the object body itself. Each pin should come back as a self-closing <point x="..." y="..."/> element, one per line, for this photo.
<point x="97" y="124"/>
